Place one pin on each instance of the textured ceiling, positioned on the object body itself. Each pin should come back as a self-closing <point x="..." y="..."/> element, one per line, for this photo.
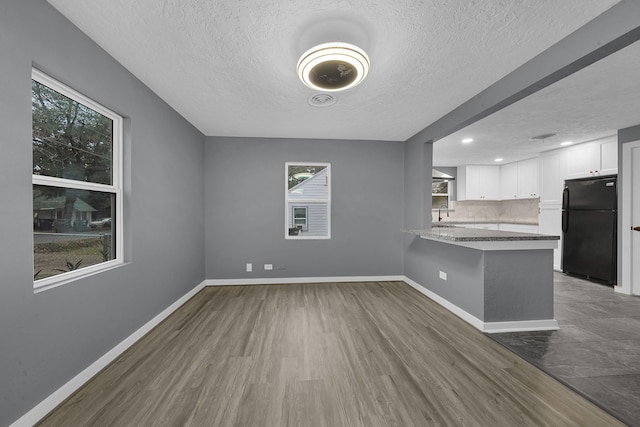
<point x="228" y="66"/>
<point x="593" y="103"/>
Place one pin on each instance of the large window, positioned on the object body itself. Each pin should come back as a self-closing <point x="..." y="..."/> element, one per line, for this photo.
<point x="308" y="200"/>
<point x="77" y="183"/>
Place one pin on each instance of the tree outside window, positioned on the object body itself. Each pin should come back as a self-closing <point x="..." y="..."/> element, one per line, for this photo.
<point x="76" y="182"/>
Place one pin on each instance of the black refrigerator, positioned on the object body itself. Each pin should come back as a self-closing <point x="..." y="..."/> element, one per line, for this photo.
<point x="589" y="228"/>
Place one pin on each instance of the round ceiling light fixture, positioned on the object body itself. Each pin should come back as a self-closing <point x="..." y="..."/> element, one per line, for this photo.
<point x="333" y="66"/>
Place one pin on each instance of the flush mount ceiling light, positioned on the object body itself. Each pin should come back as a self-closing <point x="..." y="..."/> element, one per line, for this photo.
<point x="467" y="140"/>
<point x="333" y="66"/>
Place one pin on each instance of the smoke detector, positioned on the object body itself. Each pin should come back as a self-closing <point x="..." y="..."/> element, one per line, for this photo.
<point x="322" y="100"/>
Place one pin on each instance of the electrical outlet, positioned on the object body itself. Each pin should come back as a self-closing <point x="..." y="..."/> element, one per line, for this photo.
<point x="249" y="267"/>
<point x="280" y="267"/>
<point x="268" y="266"/>
<point x="443" y="275"/>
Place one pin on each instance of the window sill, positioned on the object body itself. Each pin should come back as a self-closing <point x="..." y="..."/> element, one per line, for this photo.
<point x="72" y="276"/>
<point x="287" y="237"/>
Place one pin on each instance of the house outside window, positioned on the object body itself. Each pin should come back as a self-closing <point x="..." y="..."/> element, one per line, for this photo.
<point x="77" y="184"/>
<point x="300" y="217"/>
<point x="307" y="200"/>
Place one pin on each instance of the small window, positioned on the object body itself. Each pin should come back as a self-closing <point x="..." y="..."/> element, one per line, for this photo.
<point x="308" y="200"/>
<point x="300" y="218"/>
<point x="439" y="195"/>
<point x="77" y="183"/>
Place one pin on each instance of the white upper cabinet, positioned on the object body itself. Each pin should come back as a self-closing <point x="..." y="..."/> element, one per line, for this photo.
<point x="593" y="158"/>
<point x="509" y="181"/>
<point x="609" y="157"/>
<point x="478" y="182"/>
<point x="519" y="180"/>
<point x="583" y="160"/>
<point x="553" y="168"/>
<point x="528" y="179"/>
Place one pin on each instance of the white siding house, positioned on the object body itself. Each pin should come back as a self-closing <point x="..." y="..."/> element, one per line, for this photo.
<point x="308" y="205"/>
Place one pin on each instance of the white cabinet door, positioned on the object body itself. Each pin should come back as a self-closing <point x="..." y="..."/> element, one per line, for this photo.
<point x="609" y="157"/>
<point x="491" y="182"/>
<point x="473" y="183"/>
<point x="478" y="182"/>
<point x="583" y="160"/>
<point x="509" y="181"/>
<point x="528" y="179"/>
<point x="593" y="159"/>
<point x="554" y="171"/>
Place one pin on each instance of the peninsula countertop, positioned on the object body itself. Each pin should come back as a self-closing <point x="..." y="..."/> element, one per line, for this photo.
<point x="461" y="222"/>
<point x="486" y="239"/>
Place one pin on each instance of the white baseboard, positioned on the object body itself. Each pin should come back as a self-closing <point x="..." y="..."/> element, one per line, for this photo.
<point x="487" y="327"/>
<point x="287" y="280"/>
<point x="521" y="326"/>
<point x="47" y="405"/>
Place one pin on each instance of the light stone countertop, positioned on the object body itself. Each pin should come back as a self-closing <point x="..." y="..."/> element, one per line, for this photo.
<point x="461" y="234"/>
<point x="462" y="222"/>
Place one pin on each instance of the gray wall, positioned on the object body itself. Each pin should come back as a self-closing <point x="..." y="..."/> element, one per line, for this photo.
<point x="245" y="213"/>
<point x="519" y="285"/>
<point x="417" y="183"/>
<point x="628" y="135"/>
<point x="47" y="338"/>
<point x="465" y="270"/>
<point x="417" y="210"/>
<point x="493" y="286"/>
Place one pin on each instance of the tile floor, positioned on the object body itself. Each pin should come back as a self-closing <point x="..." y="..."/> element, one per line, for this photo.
<point x="597" y="349"/>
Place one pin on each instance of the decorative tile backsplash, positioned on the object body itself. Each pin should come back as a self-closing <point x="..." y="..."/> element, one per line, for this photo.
<point x="521" y="210"/>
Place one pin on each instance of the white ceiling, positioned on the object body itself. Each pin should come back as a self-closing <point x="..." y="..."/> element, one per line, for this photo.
<point x="593" y="103"/>
<point x="228" y="66"/>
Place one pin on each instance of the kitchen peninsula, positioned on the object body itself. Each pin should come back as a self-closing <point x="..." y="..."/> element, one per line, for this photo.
<point x="498" y="281"/>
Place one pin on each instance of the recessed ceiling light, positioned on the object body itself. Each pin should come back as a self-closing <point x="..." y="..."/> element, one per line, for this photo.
<point x="566" y="143"/>
<point x="499" y="159"/>
<point x="467" y="140"/>
<point x="333" y="66"/>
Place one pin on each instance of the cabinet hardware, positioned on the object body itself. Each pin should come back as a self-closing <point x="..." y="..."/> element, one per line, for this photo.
<point x="636" y="228"/>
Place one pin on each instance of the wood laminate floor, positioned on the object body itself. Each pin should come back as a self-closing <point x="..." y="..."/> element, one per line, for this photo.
<point x="348" y="354"/>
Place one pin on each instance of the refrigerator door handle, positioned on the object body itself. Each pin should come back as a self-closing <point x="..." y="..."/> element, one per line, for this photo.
<point x="565" y="221"/>
<point x="565" y="198"/>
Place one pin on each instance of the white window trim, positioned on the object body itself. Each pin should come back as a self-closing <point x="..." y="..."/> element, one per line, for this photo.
<point x="303" y="201"/>
<point x="115" y="188"/>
